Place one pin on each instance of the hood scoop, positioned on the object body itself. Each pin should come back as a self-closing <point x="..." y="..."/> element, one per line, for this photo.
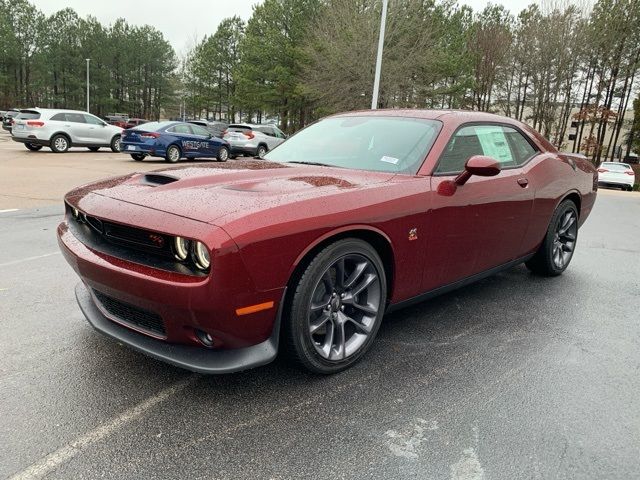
<point x="156" y="179"/>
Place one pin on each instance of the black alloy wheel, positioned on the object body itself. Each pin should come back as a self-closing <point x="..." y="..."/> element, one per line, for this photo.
<point x="557" y="249"/>
<point x="337" y="307"/>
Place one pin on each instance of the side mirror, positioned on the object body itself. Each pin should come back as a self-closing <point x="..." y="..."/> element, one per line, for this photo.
<point x="479" y="165"/>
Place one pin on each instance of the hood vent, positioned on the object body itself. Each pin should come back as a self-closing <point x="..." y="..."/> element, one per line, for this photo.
<point x="155" y="179"/>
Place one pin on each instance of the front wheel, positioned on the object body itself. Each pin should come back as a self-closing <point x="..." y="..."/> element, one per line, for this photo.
<point x="223" y="154"/>
<point x="336" y="308"/>
<point x="556" y="251"/>
<point x="173" y="154"/>
<point x="33" y="147"/>
<point x="138" y="157"/>
<point x="115" y="144"/>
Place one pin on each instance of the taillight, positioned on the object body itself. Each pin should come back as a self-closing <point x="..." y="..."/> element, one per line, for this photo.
<point x="148" y="135"/>
<point x="33" y="123"/>
<point x="248" y="134"/>
<point x="602" y="170"/>
<point x="630" y="172"/>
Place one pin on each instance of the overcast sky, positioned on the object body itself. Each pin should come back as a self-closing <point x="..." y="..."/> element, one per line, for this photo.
<point x="187" y="20"/>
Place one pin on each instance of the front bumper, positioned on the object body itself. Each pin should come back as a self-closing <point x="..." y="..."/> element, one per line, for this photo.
<point x="181" y="303"/>
<point x="196" y="359"/>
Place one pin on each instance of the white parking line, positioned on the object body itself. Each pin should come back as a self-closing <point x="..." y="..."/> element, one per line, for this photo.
<point x="70" y="450"/>
<point x="9" y="210"/>
<point x="28" y="259"/>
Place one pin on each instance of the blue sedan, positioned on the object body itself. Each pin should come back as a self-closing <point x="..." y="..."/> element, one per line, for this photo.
<point x="172" y="141"/>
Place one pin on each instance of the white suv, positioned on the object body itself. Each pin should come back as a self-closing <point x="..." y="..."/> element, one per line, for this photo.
<point x="61" y="129"/>
<point x="249" y="139"/>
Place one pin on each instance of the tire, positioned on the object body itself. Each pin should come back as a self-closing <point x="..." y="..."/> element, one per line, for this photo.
<point x="59" y="143"/>
<point x="223" y="154"/>
<point x="261" y="151"/>
<point x="33" y="147"/>
<point x="115" y="144"/>
<point x="329" y="326"/>
<point x="557" y="248"/>
<point x="138" y="157"/>
<point x="173" y="154"/>
<point x="94" y="149"/>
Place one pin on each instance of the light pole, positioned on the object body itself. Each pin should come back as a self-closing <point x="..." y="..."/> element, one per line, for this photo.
<point x="376" y="81"/>
<point x="88" y="59"/>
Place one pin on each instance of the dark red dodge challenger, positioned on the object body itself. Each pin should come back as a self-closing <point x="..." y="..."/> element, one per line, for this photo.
<point x="214" y="268"/>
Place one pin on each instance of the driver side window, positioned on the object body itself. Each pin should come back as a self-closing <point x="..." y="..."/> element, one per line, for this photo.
<point x="504" y="144"/>
<point x="462" y="146"/>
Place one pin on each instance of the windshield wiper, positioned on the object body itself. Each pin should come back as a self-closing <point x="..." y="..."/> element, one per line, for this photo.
<point x="315" y="163"/>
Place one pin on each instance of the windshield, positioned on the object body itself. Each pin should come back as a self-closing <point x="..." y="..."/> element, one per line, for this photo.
<point x="387" y="144"/>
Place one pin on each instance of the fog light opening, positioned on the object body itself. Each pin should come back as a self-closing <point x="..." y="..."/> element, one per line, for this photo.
<point x="205" y="338"/>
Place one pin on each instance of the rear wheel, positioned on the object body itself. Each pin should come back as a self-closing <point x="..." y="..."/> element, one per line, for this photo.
<point x="556" y="250"/>
<point x="336" y="308"/>
<point x="115" y="144"/>
<point x="262" y="151"/>
<point x="223" y="154"/>
<point x="94" y="149"/>
<point x="173" y="154"/>
<point x="33" y="147"/>
<point x="138" y="157"/>
<point x="59" y="144"/>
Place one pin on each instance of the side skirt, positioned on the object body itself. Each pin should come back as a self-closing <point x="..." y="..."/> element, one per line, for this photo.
<point x="455" y="285"/>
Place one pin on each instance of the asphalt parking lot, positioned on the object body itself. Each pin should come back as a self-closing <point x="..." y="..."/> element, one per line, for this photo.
<point x="515" y="377"/>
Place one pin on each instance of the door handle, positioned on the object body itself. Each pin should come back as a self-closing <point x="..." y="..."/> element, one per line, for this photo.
<point x="523" y="182"/>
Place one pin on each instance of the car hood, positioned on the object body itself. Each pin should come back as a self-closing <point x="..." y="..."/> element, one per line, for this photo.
<point x="208" y="193"/>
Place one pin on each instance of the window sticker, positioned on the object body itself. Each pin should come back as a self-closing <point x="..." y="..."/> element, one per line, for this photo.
<point x="494" y="143"/>
<point x="392" y="160"/>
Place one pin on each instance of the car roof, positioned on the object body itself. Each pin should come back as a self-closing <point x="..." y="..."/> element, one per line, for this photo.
<point x="430" y="114"/>
<point x="53" y="110"/>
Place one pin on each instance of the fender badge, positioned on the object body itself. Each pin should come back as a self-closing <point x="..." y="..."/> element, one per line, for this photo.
<point x="413" y="234"/>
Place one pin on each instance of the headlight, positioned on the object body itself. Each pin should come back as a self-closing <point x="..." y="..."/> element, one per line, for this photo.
<point x="181" y="248"/>
<point x="201" y="256"/>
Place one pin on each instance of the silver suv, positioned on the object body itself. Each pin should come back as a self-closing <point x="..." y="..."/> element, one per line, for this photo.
<point x="255" y="140"/>
<point x="61" y="129"/>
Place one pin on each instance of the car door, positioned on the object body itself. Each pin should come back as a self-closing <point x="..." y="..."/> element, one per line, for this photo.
<point x="206" y="147"/>
<point x="190" y="144"/>
<point x="77" y="128"/>
<point x="280" y="136"/>
<point x="481" y="224"/>
<point x="268" y="136"/>
<point x="98" y="134"/>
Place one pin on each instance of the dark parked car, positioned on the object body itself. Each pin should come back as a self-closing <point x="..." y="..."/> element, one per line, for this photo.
<point x="7" y="119"/>
<point x="215" y="268"/>
<point x="134" y="122"/>
<point x="217" y="129"/>
<point x="118" y="120"/>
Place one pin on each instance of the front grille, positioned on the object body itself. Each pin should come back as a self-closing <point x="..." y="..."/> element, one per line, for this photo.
<point x="131" y="315"/>
<point x="131" y="236"/>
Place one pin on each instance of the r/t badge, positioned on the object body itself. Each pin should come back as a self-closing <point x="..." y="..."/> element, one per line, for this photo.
<point x="413" y="234"/>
